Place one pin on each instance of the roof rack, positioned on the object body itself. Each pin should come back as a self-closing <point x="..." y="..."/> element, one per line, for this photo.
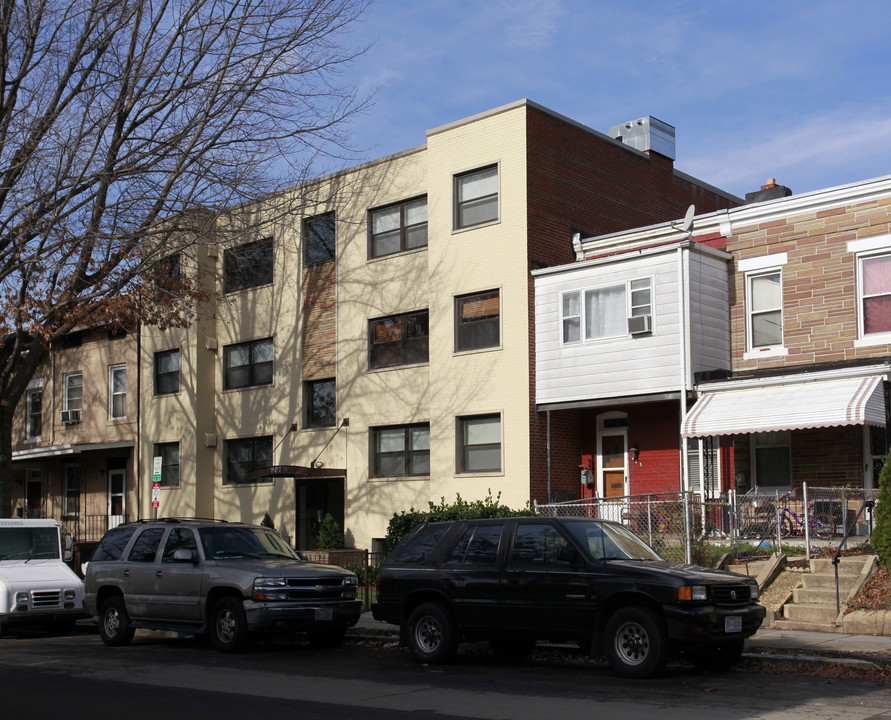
<point x="185" y="519"/>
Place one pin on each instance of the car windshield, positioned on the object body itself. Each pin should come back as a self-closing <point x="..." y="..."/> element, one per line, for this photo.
<point x="610" y="541"/>
<point x="228" y="542"/>
<point x="18" y="543"/>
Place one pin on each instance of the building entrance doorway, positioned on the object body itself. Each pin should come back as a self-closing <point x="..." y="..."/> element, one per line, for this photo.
<point x="316" y="498"/>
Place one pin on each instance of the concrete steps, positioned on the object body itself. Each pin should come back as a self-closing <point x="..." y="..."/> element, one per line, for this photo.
<point x="813" y="605"/>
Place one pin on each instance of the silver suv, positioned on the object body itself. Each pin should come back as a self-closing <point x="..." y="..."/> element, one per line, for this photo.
<point x="226" y="579"/>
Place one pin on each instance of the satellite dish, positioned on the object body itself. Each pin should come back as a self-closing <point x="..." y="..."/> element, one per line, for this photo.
<point x="687" y="227"/>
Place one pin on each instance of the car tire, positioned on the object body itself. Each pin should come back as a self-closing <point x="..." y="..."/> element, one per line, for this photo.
<point x="326" y="638"/>
<point x="635" y="642"/>
<point x="718" y="656"/>
<point x="432" y="636"/>
<point x="114" y="623"/>
<point x="228" y="625"/>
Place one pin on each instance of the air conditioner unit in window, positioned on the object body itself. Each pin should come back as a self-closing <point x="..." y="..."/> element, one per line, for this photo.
<point x="69" y="417"/>
<point x="640" y="324"/>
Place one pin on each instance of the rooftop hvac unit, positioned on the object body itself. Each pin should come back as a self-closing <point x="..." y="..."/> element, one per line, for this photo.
<point x="640" y="324"/>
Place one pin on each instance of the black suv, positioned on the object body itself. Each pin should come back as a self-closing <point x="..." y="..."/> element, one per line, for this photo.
<point x="514" y="581"/>
<point x="227" y="579"/>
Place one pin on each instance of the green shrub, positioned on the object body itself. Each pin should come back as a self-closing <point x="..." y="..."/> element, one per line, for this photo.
<point x="881" y="534"/>
<point x="403" y="522"/>
<point x="330" y="533"/>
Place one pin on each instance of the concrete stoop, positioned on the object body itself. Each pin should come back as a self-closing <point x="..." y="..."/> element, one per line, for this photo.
<point x="813" y="604"/>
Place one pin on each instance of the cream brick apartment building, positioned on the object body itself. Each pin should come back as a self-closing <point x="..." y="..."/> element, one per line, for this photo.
<point x="376" y="352"/>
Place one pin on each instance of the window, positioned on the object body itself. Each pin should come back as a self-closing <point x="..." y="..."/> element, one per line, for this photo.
<point x="167" y="372"/>
<point x="169" y="454"/>
<point x="478" y="546"/>
<point x="71" y="490"/>
<point x="248" y="265"/>
<point x="145" y="547"/>
<point x="113" y="544"/>
<point x="321" y="403"/>
<point x="319" y="240"/>
<point x="765" y="306"/>
<point x="34" y="420"/>
<point x="537" y="547"/>
<point x="167" y="273"/>
<point x="773" y="459"/>
<point x="476" y="197"/>
<point x="703" y="468"/>
<point x="179" y="539"/>
<point x="74" y="391"/>
<point x="117" y="392"/>
<point x="477" y="321"/>
<point x="401" y="450"/>
<point x="398" y="228"/>
<point x="479" y="440"/>
<point x="875" y="288"/>
<point x="245" y="455"/>
<point x="247" y="364"/>
<point x="399" y="340"/>
<point x="605" y="310"/>
<point x="572" y="317"/>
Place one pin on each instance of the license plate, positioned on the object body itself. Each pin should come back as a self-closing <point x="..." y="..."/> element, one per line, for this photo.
<point x="732" y="624"/>
<point x="323" y="614"/>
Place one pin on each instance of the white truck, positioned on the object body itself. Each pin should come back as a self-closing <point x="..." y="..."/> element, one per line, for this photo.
<point x="36" y="586"/>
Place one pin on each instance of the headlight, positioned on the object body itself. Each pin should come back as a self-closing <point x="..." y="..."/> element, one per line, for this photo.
<point x="266" y="588"/>
<point x="270" y="582"/>
<point x="351" y="580"/>
<point x="21" y="598"/>
<point x="756" y="593"/>
<point x="69" y="594"/>
<point x="692" y="592"/>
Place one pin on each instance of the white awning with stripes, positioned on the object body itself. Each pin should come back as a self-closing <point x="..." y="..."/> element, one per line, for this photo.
<point x="792" y="406"/>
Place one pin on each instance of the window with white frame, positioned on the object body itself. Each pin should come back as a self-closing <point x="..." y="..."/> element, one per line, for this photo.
<point x="34" y="419"/>
<point x="764" y="293"/>
<point x="74" y="391"/>
<point x="875" y="294"/>
<point x="603" y="312"/>
<point x="71" y="490"/>
<point x="117" y="392"/>
<point x="479" y="443"/>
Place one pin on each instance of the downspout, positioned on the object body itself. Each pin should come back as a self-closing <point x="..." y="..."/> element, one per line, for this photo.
<point x="683" y="350"/>
<point x="549" y="457"/>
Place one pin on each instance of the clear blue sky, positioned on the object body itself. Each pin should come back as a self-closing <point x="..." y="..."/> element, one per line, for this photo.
<point x="799" y="90"/>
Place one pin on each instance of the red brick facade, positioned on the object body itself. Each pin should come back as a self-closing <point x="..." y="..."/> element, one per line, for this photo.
<point x="579" y="182"/>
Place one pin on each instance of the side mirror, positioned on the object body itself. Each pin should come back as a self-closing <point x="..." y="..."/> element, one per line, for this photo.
<point x="184" y="555"/>
<point x="67" y="544"/>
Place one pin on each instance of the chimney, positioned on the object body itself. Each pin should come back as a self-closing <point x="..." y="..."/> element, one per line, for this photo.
<point x="645" y="134"/>
<point x="769" y="191"/>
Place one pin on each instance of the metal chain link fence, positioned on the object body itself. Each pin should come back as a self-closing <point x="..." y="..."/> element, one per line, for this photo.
<point x="685" y="527"/>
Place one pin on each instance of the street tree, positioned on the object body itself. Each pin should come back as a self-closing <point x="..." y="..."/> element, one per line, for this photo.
<point x="126" y="128"/>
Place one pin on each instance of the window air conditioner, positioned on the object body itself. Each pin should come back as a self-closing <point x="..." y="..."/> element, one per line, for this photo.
<point x="69" y="417"/>
<point x="640" y="324"/>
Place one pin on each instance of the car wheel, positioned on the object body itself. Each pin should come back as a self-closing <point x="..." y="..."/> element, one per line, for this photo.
<point x="326" y="638"/>
<point x="718" y="656"/>
<point x="636" y="643"/>
<point x="228" y="625"/>
<point x="114" y="623"/>
<point x="432" y="636"/>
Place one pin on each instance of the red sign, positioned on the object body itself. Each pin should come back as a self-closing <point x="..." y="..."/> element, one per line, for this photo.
<point x="156" y="494"/>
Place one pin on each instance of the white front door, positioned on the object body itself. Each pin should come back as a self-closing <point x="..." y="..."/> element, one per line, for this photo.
<point x="117" y="484"/>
